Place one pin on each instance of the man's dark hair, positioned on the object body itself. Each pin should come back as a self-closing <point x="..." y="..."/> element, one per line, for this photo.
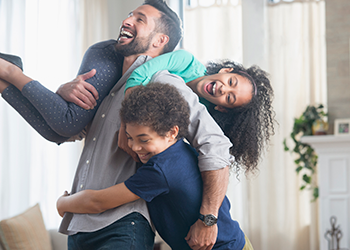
<point x="158" y="106"/>
<point x="169" y="23"/>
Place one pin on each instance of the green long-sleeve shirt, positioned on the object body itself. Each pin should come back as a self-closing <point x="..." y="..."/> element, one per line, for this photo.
<point x="179" y="62"/>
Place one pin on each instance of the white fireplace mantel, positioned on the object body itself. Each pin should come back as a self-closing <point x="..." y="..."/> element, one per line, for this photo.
<point x="333" y="173"/>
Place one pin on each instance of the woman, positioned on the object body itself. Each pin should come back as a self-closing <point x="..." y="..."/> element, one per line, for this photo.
<point x="246" y="116"/>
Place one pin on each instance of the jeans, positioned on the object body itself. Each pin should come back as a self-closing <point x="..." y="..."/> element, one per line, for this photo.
<point x="131" y="232"/>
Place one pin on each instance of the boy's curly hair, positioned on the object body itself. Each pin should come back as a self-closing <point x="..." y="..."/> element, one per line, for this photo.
<point x="249" y="127"/>
<point x="158" y="106"/>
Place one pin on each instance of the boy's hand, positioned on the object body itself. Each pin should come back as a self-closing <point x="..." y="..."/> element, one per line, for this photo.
<point x="60" y="202"/>
<point x="80" y="92"/>
<point x="123" y="143"/>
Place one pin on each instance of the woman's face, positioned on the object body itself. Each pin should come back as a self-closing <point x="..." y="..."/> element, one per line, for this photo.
<point x="224" y="89"/>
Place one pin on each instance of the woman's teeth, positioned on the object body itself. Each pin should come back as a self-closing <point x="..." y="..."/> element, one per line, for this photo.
<point x="210" y="88"/>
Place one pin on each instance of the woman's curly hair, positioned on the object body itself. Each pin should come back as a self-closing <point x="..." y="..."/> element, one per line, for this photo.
<point x="158" y="106"/>
<point x="249" y="127"/>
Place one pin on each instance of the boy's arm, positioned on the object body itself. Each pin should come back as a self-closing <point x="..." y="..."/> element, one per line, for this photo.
<point x="179" y="62"/>
<point x="95" y="201"/>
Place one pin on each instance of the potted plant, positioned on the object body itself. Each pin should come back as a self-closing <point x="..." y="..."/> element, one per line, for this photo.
<point x="306" y="159"/>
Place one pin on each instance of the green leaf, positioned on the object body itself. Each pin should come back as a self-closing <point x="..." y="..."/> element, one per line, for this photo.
<point x="298" y="169"/>
<point x="315" y="193"/>
<point x="307" y="178"/>
<point x="302" y="187"/>
<point x="297" y="161"/>
<point x="285" y="145"/>
<point x="307" y="165"/>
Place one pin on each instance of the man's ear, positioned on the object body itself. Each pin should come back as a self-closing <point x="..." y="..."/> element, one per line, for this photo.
<point x="174" y="131"/>
<point x="225" y="70"/>
<point x="221" y="109"/>
<point x="161" y="40"/>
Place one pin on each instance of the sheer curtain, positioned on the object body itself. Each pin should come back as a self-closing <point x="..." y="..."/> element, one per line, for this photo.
<point x="48" y="35"/>
<point x="214" y="31"/>
<point x="270" y="208"/>
<point x="283" y="217"/>
<point x="211" y="32"/>
<point x="94" y="22"/>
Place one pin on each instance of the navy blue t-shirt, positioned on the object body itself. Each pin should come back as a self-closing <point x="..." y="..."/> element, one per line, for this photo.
<point x="171" y="184"/>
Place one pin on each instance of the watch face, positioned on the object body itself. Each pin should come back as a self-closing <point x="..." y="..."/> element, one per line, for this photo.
<point x="210" y="220"/>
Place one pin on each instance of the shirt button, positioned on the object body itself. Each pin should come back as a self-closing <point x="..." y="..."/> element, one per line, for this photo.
<point x="132" y="223"/>
<point x="87" y="162"/>
<point x="103" y="116"/>
<point x="81" y="186"/>
<point x="94" y="139"/>
<point x="112" y="94"/>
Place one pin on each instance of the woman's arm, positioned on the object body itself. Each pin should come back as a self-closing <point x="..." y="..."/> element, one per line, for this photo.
<point x="179" y="62"/>
<point x="95" y="201"/>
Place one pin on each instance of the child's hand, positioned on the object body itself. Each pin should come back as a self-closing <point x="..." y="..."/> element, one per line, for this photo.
<point x="60" y="203"/>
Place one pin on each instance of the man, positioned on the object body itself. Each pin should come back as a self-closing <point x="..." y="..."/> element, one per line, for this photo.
<point x="103" y="164"/>
<point x="139" y="37"/>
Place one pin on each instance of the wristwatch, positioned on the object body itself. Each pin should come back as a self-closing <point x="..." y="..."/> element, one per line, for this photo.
<point x="208" y="219"/>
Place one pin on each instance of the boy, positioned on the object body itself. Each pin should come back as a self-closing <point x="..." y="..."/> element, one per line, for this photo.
<point x="157" y="118"/>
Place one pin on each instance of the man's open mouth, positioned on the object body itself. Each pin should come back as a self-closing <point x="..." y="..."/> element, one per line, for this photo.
<point x="124" y="34"/>
<point x="210" y="88"/>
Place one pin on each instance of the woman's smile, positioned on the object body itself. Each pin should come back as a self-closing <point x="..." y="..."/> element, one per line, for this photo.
<point x="210" y="88"/>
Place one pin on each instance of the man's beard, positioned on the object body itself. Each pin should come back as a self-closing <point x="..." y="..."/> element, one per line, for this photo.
<point x="135" y="47"/>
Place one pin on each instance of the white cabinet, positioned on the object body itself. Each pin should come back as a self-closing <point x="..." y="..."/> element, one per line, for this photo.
<point x="334" y="184"/>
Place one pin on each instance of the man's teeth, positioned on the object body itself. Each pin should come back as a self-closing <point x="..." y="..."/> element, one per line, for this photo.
<point x="126" y="33"/>
<point x="214" y="85"/>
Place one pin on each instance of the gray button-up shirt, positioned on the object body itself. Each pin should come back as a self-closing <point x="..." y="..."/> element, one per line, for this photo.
<point x="103" y="164"/>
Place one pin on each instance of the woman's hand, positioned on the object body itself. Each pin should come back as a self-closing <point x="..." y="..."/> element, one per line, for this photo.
<point x="60" y="203"/>
<point x="123" y="143"/>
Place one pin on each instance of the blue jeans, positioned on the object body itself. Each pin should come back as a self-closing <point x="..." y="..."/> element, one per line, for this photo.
<point x="131" y="232"/>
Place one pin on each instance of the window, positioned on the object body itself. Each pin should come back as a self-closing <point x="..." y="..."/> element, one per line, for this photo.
<point x="288" y="1"/>
<point x="207" y="3"/>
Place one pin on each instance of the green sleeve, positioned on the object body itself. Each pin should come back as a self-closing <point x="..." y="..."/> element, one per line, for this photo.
<point x="180" y="62"/>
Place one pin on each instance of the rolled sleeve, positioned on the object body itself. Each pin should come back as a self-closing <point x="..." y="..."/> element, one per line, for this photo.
<point x="204" y="135"/>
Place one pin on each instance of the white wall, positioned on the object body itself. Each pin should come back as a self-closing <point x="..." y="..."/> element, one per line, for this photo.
<point x="117" y="12"/>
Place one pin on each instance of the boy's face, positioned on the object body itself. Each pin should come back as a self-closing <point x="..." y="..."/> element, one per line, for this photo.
<point x="146" y="143"/>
